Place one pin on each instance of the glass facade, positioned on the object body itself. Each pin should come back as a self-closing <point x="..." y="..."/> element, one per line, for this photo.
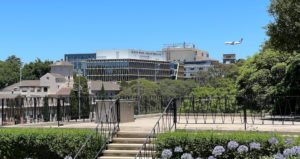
<point x="127" y="69"/>
<point x="78" y="60"/>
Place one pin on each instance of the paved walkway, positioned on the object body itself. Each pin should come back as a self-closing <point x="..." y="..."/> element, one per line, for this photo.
<point x="146" y="124"/>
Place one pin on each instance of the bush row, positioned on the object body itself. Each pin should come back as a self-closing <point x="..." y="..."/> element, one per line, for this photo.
<point x="48" y="143"/>
<point x="206" y="144"/>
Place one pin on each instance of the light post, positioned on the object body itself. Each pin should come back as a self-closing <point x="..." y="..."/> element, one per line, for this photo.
<point x="156" y="71"/>
<point x="20" y="75"/>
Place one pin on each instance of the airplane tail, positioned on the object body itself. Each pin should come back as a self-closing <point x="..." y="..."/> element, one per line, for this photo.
<point x="241" y="40"/>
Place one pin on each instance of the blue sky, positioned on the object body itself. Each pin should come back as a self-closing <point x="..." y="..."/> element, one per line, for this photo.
<point x="49" y="29"/>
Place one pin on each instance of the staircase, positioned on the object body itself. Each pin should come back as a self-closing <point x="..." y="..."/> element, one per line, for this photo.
<point x="126" y="145"/>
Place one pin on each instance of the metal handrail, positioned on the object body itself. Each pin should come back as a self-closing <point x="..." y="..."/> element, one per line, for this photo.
<point x="107" y="138"/>
<point x="156" y="126"/>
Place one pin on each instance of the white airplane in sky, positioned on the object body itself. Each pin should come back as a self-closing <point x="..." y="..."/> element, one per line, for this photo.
<point x="234" y="42"/>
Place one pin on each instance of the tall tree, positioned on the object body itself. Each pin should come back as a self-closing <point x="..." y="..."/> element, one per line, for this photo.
<point x="284" y="31"/>
<point x="84" y="98"/>
<point x="9" y="71"/>
<point x="35" y="70"/>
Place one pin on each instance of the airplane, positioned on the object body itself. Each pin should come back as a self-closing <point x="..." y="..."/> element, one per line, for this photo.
<point x="234" y="42"/>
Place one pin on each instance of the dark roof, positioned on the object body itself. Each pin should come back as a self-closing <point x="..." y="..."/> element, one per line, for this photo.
<point x="64" y="91"/>
<point x="30" y="83"/>
<point x="108" y="86"/>
<point x="24" y="83"/>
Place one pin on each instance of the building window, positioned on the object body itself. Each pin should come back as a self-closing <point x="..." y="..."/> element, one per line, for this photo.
<point x="45" y="89"/>
<point x="38" y="90"/>
<point x="47" y="78"/>
<point x="192" y="68"/>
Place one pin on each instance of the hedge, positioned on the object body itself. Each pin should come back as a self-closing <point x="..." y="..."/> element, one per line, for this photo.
<point x="201" y="144"/>
<point x="47" y="143"/>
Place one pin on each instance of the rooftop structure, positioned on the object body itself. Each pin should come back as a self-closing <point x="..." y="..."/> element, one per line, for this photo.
<point x="184" y="52"/>
<point x="229" y="58"/>
<point x="131" y="54"/>
<point x="63" y="68"/>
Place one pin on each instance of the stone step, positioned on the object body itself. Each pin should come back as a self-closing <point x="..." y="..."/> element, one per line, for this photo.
<point x="123" y="153"/>
<point x="129" y="140"/>
<point x="117" y="146"/>
<point x="132" y="134"/>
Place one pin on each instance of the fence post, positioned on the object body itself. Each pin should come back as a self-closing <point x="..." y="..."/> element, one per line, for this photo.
<point x="118" y="110"/>
<point x="58" y="111"/>
<point x="34" y="109"/>
<point x="2" y="113"/>
<point x="175" y="112"/>
<point x="245" y="118"/>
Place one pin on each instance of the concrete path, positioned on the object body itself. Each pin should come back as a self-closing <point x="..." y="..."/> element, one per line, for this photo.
<point x="146" y="123"/>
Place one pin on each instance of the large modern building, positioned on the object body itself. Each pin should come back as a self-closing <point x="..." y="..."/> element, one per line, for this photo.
<point x="77" y="60"/>
<point x="127" y="69"/>
<point x="192" y="68"/>
<point x="184" y="52"/>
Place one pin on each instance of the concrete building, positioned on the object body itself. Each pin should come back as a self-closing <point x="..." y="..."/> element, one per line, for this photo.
<point x="229" y="58"/>
<point x="131" y="54"/>
<point x="191" y="68"/>
<point x="184" y="52"/>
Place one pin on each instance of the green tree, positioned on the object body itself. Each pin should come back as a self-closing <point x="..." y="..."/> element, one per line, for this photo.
<point x="284" y="31"/>
<point x="84" y="98"/>
<point x="102" y="92"/>
<point x="9" y="71"/>
<point x="176" y="88"/>
<point x="35" y="70"/>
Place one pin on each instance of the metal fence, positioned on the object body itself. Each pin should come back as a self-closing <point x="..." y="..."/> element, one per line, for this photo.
<point x="239" y="110"/>
<point x="165" y="123"/>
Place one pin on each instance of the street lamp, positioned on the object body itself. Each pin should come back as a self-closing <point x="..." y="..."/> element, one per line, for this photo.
<point x="156" y="71"/>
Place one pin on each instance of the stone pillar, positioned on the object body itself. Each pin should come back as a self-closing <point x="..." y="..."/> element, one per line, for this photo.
<point x="106" y="111"/>
<point x="126" y="111"/>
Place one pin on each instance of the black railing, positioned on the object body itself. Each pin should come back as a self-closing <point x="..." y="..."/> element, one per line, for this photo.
<point x="108" y="118"/>
<point x="239" y="110"/>
<point x="166" y="122"/>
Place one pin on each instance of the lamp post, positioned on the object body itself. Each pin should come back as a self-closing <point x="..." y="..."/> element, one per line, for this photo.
<point x="156" y="71"/>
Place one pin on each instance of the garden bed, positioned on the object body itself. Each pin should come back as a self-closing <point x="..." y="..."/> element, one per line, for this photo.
<point x="48" y="143"/>
<point x="229" y="145"/>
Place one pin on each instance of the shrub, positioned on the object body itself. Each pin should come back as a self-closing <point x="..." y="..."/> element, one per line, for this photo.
<point x="223" y="144"/>
<point x="48" y="143"/>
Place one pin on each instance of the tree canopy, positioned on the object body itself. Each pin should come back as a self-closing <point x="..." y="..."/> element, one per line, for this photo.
<point x="284" y="31"/>
<point x="35" y="70"/>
